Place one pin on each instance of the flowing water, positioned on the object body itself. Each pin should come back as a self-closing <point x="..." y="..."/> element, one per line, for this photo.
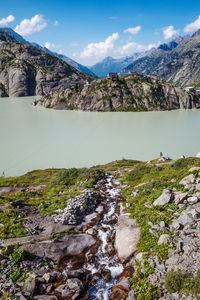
<point x="39" y="138"/>
<point x="102" y="260"/>
<point x="103" y="266"/>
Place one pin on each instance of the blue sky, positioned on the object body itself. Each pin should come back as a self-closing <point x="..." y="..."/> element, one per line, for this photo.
<point x="89" y="30"/>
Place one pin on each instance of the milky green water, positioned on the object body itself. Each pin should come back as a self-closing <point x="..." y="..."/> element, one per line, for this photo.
<point x="38" y="138"/>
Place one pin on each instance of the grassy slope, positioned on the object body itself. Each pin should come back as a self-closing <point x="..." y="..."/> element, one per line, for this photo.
<point x="153" y="175"/>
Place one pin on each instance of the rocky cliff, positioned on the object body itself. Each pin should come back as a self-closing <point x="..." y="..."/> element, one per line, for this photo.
<point x="177" y="63"/>
<point x="133" y="92"/>
<point x="12" y="35"/>
<point x="27" y="71"/>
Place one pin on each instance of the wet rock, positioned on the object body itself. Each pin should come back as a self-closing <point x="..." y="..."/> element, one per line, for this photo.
<point x="74" y="244"/>
<point x="127" y="237"/>
<point x="164" y="239"/>
<point x="124" y="283"/>
<point x="164" y="198"/>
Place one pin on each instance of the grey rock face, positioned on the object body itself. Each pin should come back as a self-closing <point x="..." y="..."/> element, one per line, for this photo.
<point x="174" y="65"/>
<point x="56" y="249"/>
<point x="164" y="198"/>
<point x="187" y="180"/>
<point x="28" y="71"/>
<point x="134" y="92"/>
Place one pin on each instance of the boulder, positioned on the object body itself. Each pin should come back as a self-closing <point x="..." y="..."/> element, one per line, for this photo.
<point x="164" y="239"/>
<point x="187" y="180"/>
<point x="57" y="249"/>
<point x="184" y="219"/>
<point x="164" y="198"/>
<point x="127" y="237"/>
<point x="180" y="197"/>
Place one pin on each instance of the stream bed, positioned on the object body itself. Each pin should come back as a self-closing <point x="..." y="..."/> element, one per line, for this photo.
<point x="103" y="267"/>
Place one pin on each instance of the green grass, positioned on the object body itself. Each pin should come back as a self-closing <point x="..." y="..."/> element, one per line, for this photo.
<point x="154" y="178"/>
<point x="183" y="282"/>
<point x="59" y="185"/>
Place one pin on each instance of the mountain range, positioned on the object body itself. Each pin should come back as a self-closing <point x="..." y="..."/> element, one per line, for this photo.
<point x="177" y="62"/>
<point x="115" y="65"/>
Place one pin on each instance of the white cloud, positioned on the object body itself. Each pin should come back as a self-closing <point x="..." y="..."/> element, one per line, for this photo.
<point x="169" y="32"/>
<point x="132" y="47"/>
<point x="100" y="49"/>
<point x="8" y="19"/>
<point x="56" y="23"/>
<point x="29" y="26"/>
<point x="193" y="26"/>
<point x="49" y="45"/>
<point x="133" y="30"/>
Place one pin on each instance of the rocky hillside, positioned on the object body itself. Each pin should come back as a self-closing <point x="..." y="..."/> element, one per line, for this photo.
<point x="110" y="64"/>
<point x="178" y="64"/>
<point x="133" y="92"/>
<point x="17" y="37"/>
<point x="63" y="232"/>
<point x="27" y="71"/>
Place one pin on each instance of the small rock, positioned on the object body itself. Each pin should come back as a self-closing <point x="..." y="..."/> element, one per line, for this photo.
<point x="192" y="200"/>
<point x="153" y="232"/>
<point x="194" y="169"/>
<point x="146" y="204"/>
<point x="162" y="224"/>
<point x="179" y="197"/>
<point x="29" y="285"/>
<point x="164" y="239"/>
<point x="131" y="296"/>
<point x="164" y="198"/>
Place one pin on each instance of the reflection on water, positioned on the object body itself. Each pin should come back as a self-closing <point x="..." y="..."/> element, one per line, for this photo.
<point x="38" y="138"/>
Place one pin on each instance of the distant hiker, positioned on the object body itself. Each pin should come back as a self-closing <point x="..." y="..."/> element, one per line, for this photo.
<point x="182" y="156"/>
<point x="3" y="174"/>
<point x="161" y="154"/>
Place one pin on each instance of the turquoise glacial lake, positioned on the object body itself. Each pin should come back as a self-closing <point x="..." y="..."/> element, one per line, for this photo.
<point x="39" y="138"/>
